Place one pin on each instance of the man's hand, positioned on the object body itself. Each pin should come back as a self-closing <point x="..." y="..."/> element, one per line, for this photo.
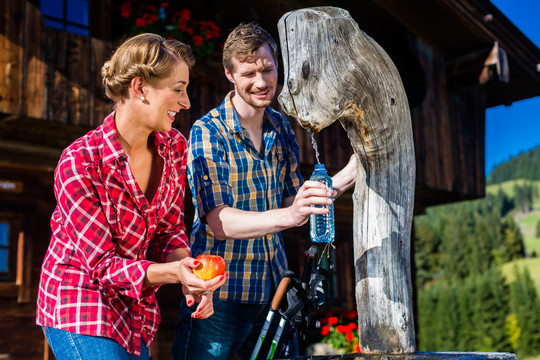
<point x="311" y="193"/>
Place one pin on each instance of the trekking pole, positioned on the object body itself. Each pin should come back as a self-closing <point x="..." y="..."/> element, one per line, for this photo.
<point x="276" y="301"/>
<point x="288" y="315"/>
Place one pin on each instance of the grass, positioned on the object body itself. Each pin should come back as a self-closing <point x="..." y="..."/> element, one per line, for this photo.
<point x="533" y="264"/>
<point x="527" y="223"/>
<point x="536" y="357"/>
<point x="508" y="188"/>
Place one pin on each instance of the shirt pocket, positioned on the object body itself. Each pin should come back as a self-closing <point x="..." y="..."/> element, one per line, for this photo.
<point x="127" y="226"/>
<point x="173" y="192"/>
<point x="281" y="161"/>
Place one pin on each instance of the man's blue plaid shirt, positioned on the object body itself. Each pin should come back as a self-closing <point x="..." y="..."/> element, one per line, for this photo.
<point x="224" y="168"/>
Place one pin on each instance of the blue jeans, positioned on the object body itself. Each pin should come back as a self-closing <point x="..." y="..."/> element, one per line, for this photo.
<point x="233" y="329"/>
<point x="70" y="346"/>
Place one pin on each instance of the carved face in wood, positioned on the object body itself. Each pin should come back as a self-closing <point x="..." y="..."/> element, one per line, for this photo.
<point x="334" y="71"/>
<point x="316" y="46"/>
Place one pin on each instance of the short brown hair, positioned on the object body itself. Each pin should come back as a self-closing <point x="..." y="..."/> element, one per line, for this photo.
<point x="146" y="55"/>
<point x="243" y="41"/>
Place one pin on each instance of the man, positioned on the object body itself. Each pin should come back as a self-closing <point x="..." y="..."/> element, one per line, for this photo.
<point x="243" y="171"/>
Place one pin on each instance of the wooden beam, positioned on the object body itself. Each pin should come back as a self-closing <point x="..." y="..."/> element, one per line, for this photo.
<point x="478" y="68"/>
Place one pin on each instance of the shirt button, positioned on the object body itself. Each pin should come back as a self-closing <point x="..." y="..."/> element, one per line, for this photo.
<point x="205" y="177"/>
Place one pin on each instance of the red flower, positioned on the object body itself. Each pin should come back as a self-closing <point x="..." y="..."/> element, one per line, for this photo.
<point x="164" y="4"/>
<point x="139" y="22"/>
<point x="352" y="326"/>
<point x="182" y="25"/>
<point x="341" y="329"/>
<point x="351" y="314"/>
<point x="349" y="337"/>
<point x="325" y="330"/>
<point x="197" y="40"/>
<point x="358" y="349"/>
<point x="185" y="14"/>
<point x="332" y="320"/>
<point x="125" y="10"/>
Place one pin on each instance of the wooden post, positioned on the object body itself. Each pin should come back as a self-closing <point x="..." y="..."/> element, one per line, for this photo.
<point x="333" y="71"/>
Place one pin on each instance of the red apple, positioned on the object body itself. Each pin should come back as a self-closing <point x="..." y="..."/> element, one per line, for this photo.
<point x="210" y="267"/>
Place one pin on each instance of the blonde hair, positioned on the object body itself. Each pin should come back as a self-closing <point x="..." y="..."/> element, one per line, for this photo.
<point x="149" y="56"/>
<point x="243" y="41"/>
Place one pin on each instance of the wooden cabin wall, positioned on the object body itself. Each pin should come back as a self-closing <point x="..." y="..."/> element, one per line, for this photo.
<point x="449" y="133"/>
<point x="47" y="73"/>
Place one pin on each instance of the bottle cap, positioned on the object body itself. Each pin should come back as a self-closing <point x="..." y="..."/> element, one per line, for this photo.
<point x="319" y="167"/>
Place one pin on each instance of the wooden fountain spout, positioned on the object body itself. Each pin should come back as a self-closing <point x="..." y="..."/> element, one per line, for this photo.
<point x="334" y="71"/>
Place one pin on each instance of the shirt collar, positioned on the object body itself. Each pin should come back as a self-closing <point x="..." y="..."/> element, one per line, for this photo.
<point x="112" y="149"/>
<point x="231" y="116"/>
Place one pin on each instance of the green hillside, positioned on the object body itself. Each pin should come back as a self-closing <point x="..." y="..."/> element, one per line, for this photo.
<point x="528" y="221"/>
<point x="478" y="266"/>
<point x="524" y="166"/>
<point x="508" y="188"/>
<point x="533" y="264"/>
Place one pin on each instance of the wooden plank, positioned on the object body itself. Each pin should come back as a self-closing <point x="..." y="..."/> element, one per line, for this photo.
<point x="78" y="79"/>
<point x="11" y="40"/>
<point x="34" y="63"/>
<point x="56" y="82"/>
<point x="101" y="14"/>
<point x="100" y="106"/>
<point x="20" y="259"/>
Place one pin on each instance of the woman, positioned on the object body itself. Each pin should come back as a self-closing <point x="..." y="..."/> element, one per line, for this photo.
<point x="119" y="189"/>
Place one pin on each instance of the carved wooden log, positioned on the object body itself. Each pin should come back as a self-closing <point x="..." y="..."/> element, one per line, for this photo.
<point x="333" y="71"/>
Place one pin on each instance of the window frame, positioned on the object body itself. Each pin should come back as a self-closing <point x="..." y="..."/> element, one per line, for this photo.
<point x="14" y="221"/>
<point x="63" y="19"/>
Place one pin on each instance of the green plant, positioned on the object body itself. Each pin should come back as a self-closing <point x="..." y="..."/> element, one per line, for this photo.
<point x="202" y="36"/>
<point x="341" y="332"/>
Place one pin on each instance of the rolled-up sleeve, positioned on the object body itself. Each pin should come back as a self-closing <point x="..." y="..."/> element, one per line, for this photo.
<point x="209" y="171"/>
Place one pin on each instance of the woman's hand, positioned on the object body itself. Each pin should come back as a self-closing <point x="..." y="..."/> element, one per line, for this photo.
<point x="181" y="271"/>
<point x="205" y="307"/>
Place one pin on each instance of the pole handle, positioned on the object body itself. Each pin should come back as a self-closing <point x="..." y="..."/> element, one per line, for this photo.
<point x="281" y="290"/>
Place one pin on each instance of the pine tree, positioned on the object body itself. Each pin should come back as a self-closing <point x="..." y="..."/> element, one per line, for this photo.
<point x="491" y="310"/>
<point x="524" y="166"/>
<point x="514" y="246"/>
<point x="466" y="297"/>
<point x="525" y="304"/>
<point x="427" y="304"/>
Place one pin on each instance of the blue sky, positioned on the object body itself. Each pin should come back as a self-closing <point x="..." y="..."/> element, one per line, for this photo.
<point x="513" y="129"/>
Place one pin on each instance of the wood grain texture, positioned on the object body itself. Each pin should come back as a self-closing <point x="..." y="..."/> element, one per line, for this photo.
<point x="334" y="71"/>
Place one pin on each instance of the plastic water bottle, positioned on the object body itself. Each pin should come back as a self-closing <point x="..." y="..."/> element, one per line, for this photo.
<point x="322" y="226"/>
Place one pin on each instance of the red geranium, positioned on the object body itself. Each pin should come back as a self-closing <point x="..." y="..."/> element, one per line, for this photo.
<point x="341" y="332"/>
<point x="325" y="330"/>
<point x="202" y="35"/>
<point x="332" y="320"/>
<point x="197" y="40"/>
<point x="125" y="10"/>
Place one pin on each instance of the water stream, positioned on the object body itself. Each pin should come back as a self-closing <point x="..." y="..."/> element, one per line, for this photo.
<point x="314" y="143"/>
